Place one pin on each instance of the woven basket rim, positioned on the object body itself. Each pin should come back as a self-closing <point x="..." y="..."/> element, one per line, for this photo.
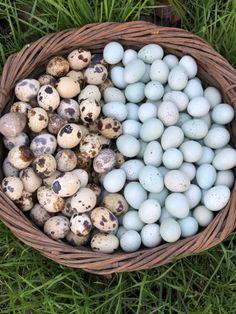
<point x="213" y="68"/>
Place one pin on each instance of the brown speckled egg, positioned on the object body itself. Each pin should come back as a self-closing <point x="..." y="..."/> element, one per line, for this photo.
<point x="103" y="219"/>
<point x="83" y="160"/>
<point x="12" y="187"/>
<point x="68" y="211"/>
<point x="20" y="106"/>
<point x="79" y="59"/>
<point x="47" y="79"/>
<point x="57" y="227"/>
<point x="67" y="87"/>
<point x="104" y="243"/>
<point x="55" y="123"/>
<point x="104" y="161"/>
<point x="58" y="66"/>
<point x="69" y="135"/>
<point x="104" y="85"/>
<point x="80" y="224"/>
<point x="20" y="139"/>
<point x="30" y="180"/>
<point x="39" y="215"/>
<point x="66" y="160"/>
<point x="25" y="202"/>
<point x="49" y="180"/>
<point x="37" y="119"/>
<point x="49" y="200"/>
<point x="69" y="110"/>
<point x="48" y="98"/>
<point x="67" y="184"/>
<point x="89" y="110"/>
<point x="76" y="76"/>
<point x="96" y="74"/>
<point x="90" y="91"/>
<point x="90" y="145"/>
<point x="84" y="200"/>
<point x="95" y="188"/>
<point x="27" y="89"/>
<point x="116" y="203"/>
<point x="20" y="156"/>
<point x="8" y="169"/>
<point x="43" y="143"/>
<point x="109" y="127"/>
<point x="12" y="124"/>
<point x="44" y="165"/>
<point x="77" y="240"/>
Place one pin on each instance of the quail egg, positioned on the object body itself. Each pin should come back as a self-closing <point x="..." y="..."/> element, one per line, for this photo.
<point x="57" y="227"/>
<point x="79" y="59"/>
<point x="27" y="89"/>
<point x="69" y="110"/>
<point x="37" y="119"/>
<point x="12" y="124"/>
<point x="12" y="187"/>
<point x="58" y="66"/>
<point x="20" y="156"/>
<point x="69" y="136"/>
<point x="49" y="200"/>
<point x="30" y="180"/>
<point x="44" y="165"/>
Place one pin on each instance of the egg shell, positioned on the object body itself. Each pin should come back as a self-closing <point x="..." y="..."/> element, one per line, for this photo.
<point x="132" y="221"/>
<point x="189" y="226"/>
<point x="128" y="145"/>
<point x="49" y="200"/>
<point x="194" y="89"/>
<point x="84" y="200"/>
<point x="164" y="215"/>
<point x="191" y="150"/>
<point x="76" y="240"/>
<point x="48" y="181"/>
<point x="225" y="177"/>
<point x="203" y="215"/>
<point x="130" y="241"/>
<point x="21" y="139"/>
<point x="20" y="156"/>
<point x="56" y="227"/>
<point x="190" y="65"/>
<point x="183" y="117"/>
<point x="113" y="52"/>
<point x="79" y="58"/>
<point x="198" y="107"/>
<point x="217" y="197"/>
<point x="150" y="52"/>
<point x="147" y="111"/>
<point x="95" y="188"/>
<point x="83" y="161"/>
<point x="80" y="224"/>
<point x="153" y="154"/>
<point x="217" y="137"/>
<point x="69" y="110"/>
<point x="104" y="243"/>
<point x="104" y="161"/>
<point x="213" y="95"/>
<point x="109" y="127"/>
<point x="39" y="215"/>
<point x="180" y="99"/>
<point x="8" y="169"/>
<point x="20" y="107"/>
<point x="115" y="110"/>
<point x="195" y="129"/>
<point x="154" y="90"/>
<point x="172" y="158"/>
<point x="151" y="179"/>
<point x="114" y="180"/>
<point x="135" y="194"/>
<point x="48" y="98"/>
<point x="27" y="89"/>
<point x="44" y="165"/>
<point x="170" y="230"/>
<point x="178" y="78"/>
<point x="150" y="235"/>
<point x="159" y="197"/>
<point x="225" y="159"/>
<point x="151" y="130"/>
<point x="37" y="119"/>
<point x="90" y="110"/>
<point x="58" y="66"/>
<point x="103" y="219"/>
<point x="143" y="146"/>
<point x="189" y="169"/>
<point x="116" y="203"/>
<point x="12" y="124"/>
<point x="222" y="113"/>
<point x="132" y="111"/>
<point x="69" y="135"/>
<point x="113" y="94"/>
<point x="121" y="230"/>
<point x="206" y="176"/>
<point x="172" y="137"/>
<point x="68" y="211"/>
<point x="95" y="74"/>
<point x="67" y="87"/>
<point x="134" y="71"/>
<point x="67" y="184"/>
<point x="12" y="187"/>
<point x="177" y="181"/>
<point x="159" y="71"/>
<point x="25" y="202"/>
<point x="129" y="55"/>
<point x="149" y="211"/>
<point x="76" y="76"/>
<point x="135" y="92"/>
<point x="90" y="91"/>
<point x="131" y="127"/>
<point x="193" y="195"/>
<point x="30" y="180"/>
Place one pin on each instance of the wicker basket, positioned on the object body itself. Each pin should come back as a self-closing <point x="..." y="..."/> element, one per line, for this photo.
<point x="214" y="70"/>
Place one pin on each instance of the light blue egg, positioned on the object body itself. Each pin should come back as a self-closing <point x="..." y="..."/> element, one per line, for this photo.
<point x="206" y="176"/>
<point x="132" y="111"/>
<point x="135" y="92"/>
<point x="115" y="110"/>
<point x="151" y="130"/>
<point x="114" y="180"/>
<point x="128" y="145"/>
<point x="130" y="241"/>
<point x="147" y="111"/>
<point x="131" y="127"/>
<point x="188" y="226"/>
<point x="150" y="52"/>
<point x="132" y="221"/>
<point x="129" y="55"/>
<point x="143" y="146"/>
<point x="150" y="235"/>
<point x="146" y="76"/>
<point x="113" y="52"/>
<point x="135" y="194"/>
<point x="177" y="205"/>
<point x="117" y="77"/>
<point x="111" y="94"/>
<point x="153" y="154"/>
<point x="154" y="90"/>
<point x="134" y="71"/>
<point x="170" y="230"/>
<point x="159" y="71"/>
<point x="194" y="88"/>
<point x="132" y="168"/>
<point x="151" y="179"/>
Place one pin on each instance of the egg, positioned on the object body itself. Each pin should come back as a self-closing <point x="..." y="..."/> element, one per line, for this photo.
<point x="49" y="180"/>
<point x="83" y="161"/>
<point x="217" y="137"/>
<point x="170" y="230"/>
<point x="150" y="52"/>
<point x="195" y="129"/>
<point x="113" y="52"/>
<point x="191" y="150"/>
<point x="39" y="215"/>
<point x="30" y="180"/>
<point x="117" y="77"/>
<point x="132" y="221"/>
<point x="103" y="219"/>
<point x="67" y="87"/>
<point x="147" y="111"/>
<point x="160" y="196"/>
<point x="129" y="55"/>
<point x="128" y="145"/>
<point x="178" y="78"/>
<point x="222" y="114"/>
<point x="109" y="127"/>
<point x="154" y="90"/>
<point x="171" y="60"/>
<point x="80" y="224"/>
<point x="84" y="200"/>
<point x="20" y="139"/>
<point x="177" y="205"/>
<point x="177" y="181"/>
<point x="69" y="110"/>
<point x="194" y="89"/>
<point x="225" y="159"/>
<point x="213" y="95"/>
<point x="130" y="241"/>
<point x="90" y="91"/>
<point x="131" y="127"/>
<point x="121" y="230"/>
<point x="55" y="123"/>
<point x="149" y="211"/>
<point x="95" y="74"/>
<point x="113" y="94"/>
<point x="12" y="124"/>
<point x="151" y="179"/>
<point x="49" y="200"/>
<point x="12" y="187"/>
<point x="180" y="99"/>
<point x="190" y="65"/>
<point x="135" y="194"/>
<point x="172" y="137"/>
<point x="57" y="227"/>
<point x="183" y="117"/>
<point x="203" y="215"/>
<point x="206" y="176"/>
<point x="79" y="59"/>
<point x="77" y="240"/>
<point x="134" y="71"/>
<point x="225" y="177"/>
<point x="104" y="161"/>
<point x="46" y="79"/>
<point x="90" y="145"/>
<point x="69" y="135"/>
<point x="132" y="168"/>
<point x="198" y="107"/>
<point x="172" y="158"/>
<point x="168" y="113"/>
<point x="114" y="180"/>
<point x="159" y="71"/>
<point x="8" y="169"/>
<point x="20" y="107"/>
<point x="150" y="235"/>
<point x="104" y="243"/>
<point x="116" y="110"/>
<point x="58" y="66"/>
<point x="188" y="226"/>
<point x="66" y="160"/>
<point x="217" y="197"/>
<point x="43" y="143"/>
<point x="90" y="110"/>
<point x="132" y="111"/>
<point x="27" y="89"/>
<point x="189" y="169"/>
<point x="37" y="119"/>
<point x="48" y="98"/>
<point x="135" y="92"/>
<point x="146" y="76"/>
<point x="25" y="202"/>
<point x="44" y="165"/>
<point x="116" y="203"/>
<point x="20" y="156"/>
<point x="66" y="184"/>
<point x="153" y="154"/>
<point x="151" y="130"/>
<point x="193" y="195"/>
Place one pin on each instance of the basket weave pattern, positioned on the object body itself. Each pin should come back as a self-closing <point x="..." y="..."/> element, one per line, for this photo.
<point x="213" y="70"/>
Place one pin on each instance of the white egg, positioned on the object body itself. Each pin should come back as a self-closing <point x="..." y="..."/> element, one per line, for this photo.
<point x="159" y="71"/>
<point x="147" y="111"/>
<point x="189" y="226"/>
<point x="168" y="113"/>
<point x="132" y="110"/>
<point x="222" y="114"/>
<point x="132" y="221"/>
<point x="171" y="61"/>
<point x="190" y="65"/>
<point x="153" y="154"/>
<point x="194" y="88"/>
<point x="131" y="127"/>
<point x="114" y="180"/>
<point x="151" y="130"/>
<point x="183" y="117"/>
<point x="217" y="197"/>
<point x="113" y="52"/>
<point x="198" y="107"/>
<point x="213" y="95"/>
<point x="170" y="230"/>
<point x="172" y="137"/>
<point x="195" y="129"/>
<point x="146" y="76"/>
<point x="135" y="92"/>
<point x="149" y="211"/>
<point x="225" y="159"/>
<point x="193" y="195"/>
<point x="134" y="71"/>
<point x="150" y="235"/>
<point x="135" y="194"/>
<point x="172" y="158"/>
<point x="178" y="78"/>
<point x="179" y="98"/>
<point x="164" y="215"/>
<point x="203" y="215"/>
<point x="150" y="52"/>
<point x="225" y="177"/>
<point x="191" y="150"/>
<point x="151" y="179"/>
<point x="129" y="55"/>
<point x="112" y="94"/>
<point x="130" y="241"/>
<point x="177" y="205"/>
<point x="217" y="137"/>
<point x="132" y="168"/>
<point x="160" y="197"/>
<point x="207" y="156"/>
<point x="115" y="110"/>
<point x="117" y="77"/>
<point x="206" y="176"/>
<point x="154" y="90"/>
<point x="128" y="145"/>
<point x="176" y="181"/>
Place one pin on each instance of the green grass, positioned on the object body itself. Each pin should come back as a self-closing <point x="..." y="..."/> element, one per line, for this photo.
<point x="30" y="283"/>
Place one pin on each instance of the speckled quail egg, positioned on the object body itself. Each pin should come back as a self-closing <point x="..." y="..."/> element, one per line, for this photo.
<point x="113" y="94"/>
<point x="80" y="224"/>
<point x="203" y="215"/>
<point x="113" y="52"/>
<point x="68" y="211"/>
<point x="49" y="180"/>
<point x="20" y="106"/>
<point x="48" y="98"/>
<point x="57" y="227"/>
<point x="69" y="135"/>
<point x="8" y="169"/>
<point x="12" y="187"/>
<point x="12" y="124"/>
<point x="120" y="159"/>
<point x="225" y="159"/>
<point x="135" y="92"/>
<point x="39" y="215"/>
<point x="49" y="200"/>
<point x="130" y="241"/>
<point x="47" y="79"/>
<point x="58" y="66"/>
<point x="114" y="180"/>
<point x="95" y="188"/>
<point x="178" y="78"/>
<point x="95" y="74"/>
<point x="66" y="160"/>
<point x="151" y="179"/>
<point x="103" y="219"/>
<point x="79" y="59"/>
<point x="67" y="184"/>
<point x="69" y="110"/>
<point x="192" y="151"/>
<point x="89" y="110"/>
<point x="104" y="161"/>
<point x="84" y="200"/>
<point x="217" y="197"/>
<point x="43" y="143"/>
<point x="90" y="91"/>
<point x="135" y="194"/>
<point x="37" y="119"/>
<point x="44" y="165"/>
<point x="104" y="243"/>
<point x="20" y="139"/>
<point x="177" y="181"/>
<point x="132" y="168"/>
<point x="76" y="76"/>
<point x="213" y="95"/>
<point x="20" y="156"/>
<point x="83" y="161"/>
<point x="25" y="202"/>
<point x="217" y="137"/>
<point x="27" y="89"/>
<point x="55" y="123"/>
<point x="170" y="230"/>
<point x="116" y="203"/>
<point x="67" y="87"/>
<point x="90" y="145"/>
<point x="153" y="154"/>
<point x="30" y="180"/>
<point x="109" y="127"/>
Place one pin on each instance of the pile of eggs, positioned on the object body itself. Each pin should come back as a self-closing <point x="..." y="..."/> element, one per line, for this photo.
<point x="119" y="149"/>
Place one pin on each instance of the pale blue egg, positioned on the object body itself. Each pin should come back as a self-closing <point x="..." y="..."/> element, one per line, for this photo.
<point x="132" y="221"/>
<point x="206" y="176"/>
<point x="113" y="52"/>
<point x="134" y="71"/>
<point x="115" y="110"/>
<point x="160" y="197"/>
<point x="111" y="94"/>
<point x="150" y="52"/>
<point x="154" y="90"/>
<point x="132" y="168"/>
<point x="146" y="76"/>
<point x="135" y="92"/>
<point x="171" y="61"/>
<point x="128" y="145"/>
<point x="151" y="179"/>
<point x="135" y="194"/>
<point x="143" y="146"/>
<point x="129" y="55"/>
<point x="150" y="235"/>
<point x="147" y="111"/>
<point x="188" y="226"/>
<point x="151" y="130"/>
<point x="130" y="241"/>
<point x="159" y="71"/>
<point x="203" y="215"/>
<point x="114" y="180"/>
<point x="193" y="88"/>
<point x="177" y="205"/>
<point x="178" y="78"/>
<point x="132" y="111"/>
<point x="117" y="77"/>
<point x="153" y="154"/>
<point x="170" y="230"/>
<point x="131" y="127"/>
